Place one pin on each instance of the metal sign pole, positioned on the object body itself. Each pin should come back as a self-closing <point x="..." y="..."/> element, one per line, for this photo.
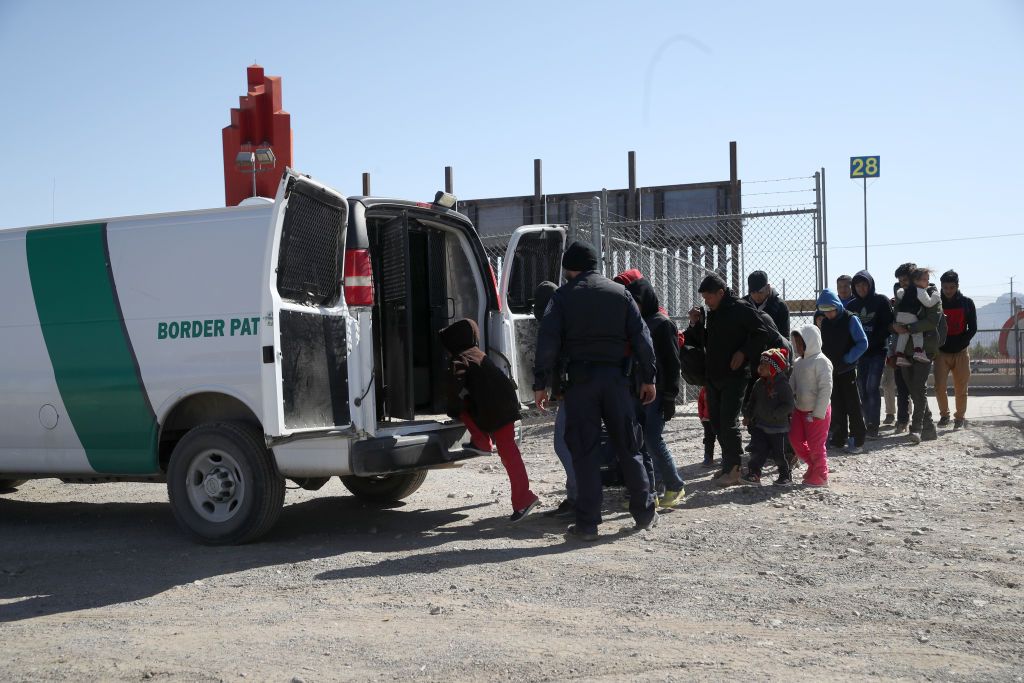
<point x="865" y="223"/>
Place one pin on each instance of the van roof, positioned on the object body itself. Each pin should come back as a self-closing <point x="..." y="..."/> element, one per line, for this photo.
<point x="192" y="212"/>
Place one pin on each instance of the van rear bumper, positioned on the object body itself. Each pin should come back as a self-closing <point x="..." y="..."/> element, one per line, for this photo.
<point x="390" y="454"/>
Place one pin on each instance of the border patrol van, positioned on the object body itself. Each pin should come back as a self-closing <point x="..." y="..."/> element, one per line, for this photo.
<point x="223" y="351"/>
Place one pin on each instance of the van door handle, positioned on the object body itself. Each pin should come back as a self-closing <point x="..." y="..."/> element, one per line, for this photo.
<point x="451" y="308"/>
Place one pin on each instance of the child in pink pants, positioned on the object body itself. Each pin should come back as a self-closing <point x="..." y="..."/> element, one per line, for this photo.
<point x="812" y="387"/>
<point x="485" y="399"/>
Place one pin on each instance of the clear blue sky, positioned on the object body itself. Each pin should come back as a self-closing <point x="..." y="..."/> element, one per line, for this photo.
<point x="122" y="104"/>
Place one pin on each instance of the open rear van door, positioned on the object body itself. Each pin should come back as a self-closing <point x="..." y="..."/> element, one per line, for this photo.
<point x="534" y="255"/>
<point x="302" y="328"/>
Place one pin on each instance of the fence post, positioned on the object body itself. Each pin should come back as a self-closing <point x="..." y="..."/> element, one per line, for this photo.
<point x="573" y="224"/>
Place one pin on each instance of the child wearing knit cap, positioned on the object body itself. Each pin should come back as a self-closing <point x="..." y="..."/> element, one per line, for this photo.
<point x="767" y="413"/>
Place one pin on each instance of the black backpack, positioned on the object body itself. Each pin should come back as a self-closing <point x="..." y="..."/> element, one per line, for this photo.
<point x="693" y="366"/>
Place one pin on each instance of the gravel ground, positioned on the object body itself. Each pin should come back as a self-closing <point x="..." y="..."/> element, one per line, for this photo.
<point x="908" y="567"/>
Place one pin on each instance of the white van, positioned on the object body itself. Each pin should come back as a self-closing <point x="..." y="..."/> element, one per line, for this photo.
<point x="225" y="350"/>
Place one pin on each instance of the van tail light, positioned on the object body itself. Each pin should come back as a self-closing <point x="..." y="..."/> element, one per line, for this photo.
<point x="494" y="283"/>
<point x="358" y="278"/>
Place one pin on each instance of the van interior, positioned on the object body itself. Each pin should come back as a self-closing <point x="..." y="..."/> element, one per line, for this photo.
<point x="425" y="279"/>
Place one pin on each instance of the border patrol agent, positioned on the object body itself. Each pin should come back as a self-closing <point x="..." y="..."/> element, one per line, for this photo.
<point x="589" y="322"/>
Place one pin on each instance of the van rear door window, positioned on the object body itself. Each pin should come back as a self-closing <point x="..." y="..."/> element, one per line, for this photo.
<point x="310" y="256"/>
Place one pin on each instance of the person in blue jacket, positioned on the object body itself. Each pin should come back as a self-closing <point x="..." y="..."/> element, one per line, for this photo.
<point x="843" y="342"/>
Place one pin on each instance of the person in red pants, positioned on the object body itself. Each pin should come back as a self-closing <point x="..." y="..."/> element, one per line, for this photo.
<point x="485" y="399"/>
<point x="812" y="386"/>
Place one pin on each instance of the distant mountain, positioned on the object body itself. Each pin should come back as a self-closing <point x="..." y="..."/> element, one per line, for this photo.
<point x="992" y="316"/>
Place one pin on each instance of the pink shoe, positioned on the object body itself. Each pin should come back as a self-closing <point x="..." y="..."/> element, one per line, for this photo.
<point x="921" y="357"/>
<point x="903" y="361"/>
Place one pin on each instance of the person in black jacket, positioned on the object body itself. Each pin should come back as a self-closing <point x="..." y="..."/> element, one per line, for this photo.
<point x="485" y="399"/>
<point x="764" y="298"/>
<point x="588" y="323"/>
<point x="875" y="314"/>
<point x="652" y="417"/>
<point x="733" y="334"/>
<point x="961" y="326"/>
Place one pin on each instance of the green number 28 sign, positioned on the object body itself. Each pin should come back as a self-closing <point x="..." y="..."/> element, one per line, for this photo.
<point x="865" y="167"/>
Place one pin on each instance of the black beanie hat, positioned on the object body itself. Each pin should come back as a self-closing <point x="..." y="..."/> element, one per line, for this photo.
<point x="542" y="297"/>
<point x="580" y="256"/>
<point x="950" y="276"/>
<point x="757" y="281"/>
<point x="712" y="283"/>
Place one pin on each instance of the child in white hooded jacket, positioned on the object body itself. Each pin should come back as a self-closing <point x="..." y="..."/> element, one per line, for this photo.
<point x="812" y="386"/>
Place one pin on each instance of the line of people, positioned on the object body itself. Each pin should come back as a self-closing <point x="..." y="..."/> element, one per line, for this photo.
<point x="611" y="355"/>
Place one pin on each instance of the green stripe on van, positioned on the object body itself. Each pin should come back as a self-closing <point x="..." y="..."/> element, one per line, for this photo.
<point x="92" y="357"/>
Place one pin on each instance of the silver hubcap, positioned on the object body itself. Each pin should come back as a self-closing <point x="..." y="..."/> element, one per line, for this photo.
<point x="215" y="486"/>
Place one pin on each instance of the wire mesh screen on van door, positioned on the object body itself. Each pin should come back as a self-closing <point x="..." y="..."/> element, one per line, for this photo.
<point x="309" y="260"/>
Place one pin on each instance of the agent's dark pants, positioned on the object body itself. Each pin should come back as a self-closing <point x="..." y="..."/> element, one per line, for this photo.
<point x="869" y="381"/>
<point x="725" y="398"/>
<point x="603" y="396"/>
<point x="915" y="377"/>
<point x="847" y="416"/>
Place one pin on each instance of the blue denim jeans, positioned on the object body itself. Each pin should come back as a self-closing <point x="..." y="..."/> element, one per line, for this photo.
<point x="655" y="448"/>
<point x="564" y="456"/>
<point x="869" y="382"/>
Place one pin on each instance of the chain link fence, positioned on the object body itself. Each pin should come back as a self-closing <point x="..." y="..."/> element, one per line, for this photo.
<point x="781" y="233"/>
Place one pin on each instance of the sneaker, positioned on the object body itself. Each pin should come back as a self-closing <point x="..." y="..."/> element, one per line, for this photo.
<point x="921" y="357"/>
<point x="959" y="423"/>
<point x="943" y="421"/>
<point x="671" y="498"/>
<point x="470" y="448"/>
<point x="566" y="508"/>
<point x="889" y="419"/>
<point x="929" y="434"/>
<point x="915" y="437"/>
<point x="648" y="524"/>
<point x="855" y="450"/>
<point x="578" y="534"/>
<point x="752" y="478"/>
<point x="903" y="362"/>
<point x="709" y="463"/>
<point x="873" y="434"/>
<point x="519" y="515"/>
<point x="783" y="482"/>
<point x="817" y="483"/>
<point x="900" y="428"/>
<point x="729" y="477"/>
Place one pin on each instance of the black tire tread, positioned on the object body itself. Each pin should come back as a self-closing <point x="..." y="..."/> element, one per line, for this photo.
<point x="405" y="484"/>
<point x="8" y="485"/>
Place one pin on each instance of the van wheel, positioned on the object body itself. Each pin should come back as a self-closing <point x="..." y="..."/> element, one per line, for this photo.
<point x="8" y="485"/>
<point x="223" y="485"/>
<point x="385" y="488"/>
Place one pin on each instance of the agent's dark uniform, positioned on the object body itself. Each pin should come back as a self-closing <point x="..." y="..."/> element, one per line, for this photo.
<point x="588" y="322"/>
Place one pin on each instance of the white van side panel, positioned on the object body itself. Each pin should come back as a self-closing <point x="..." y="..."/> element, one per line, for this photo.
<point x="27" y="382"/>
<point x="193" y="314"/>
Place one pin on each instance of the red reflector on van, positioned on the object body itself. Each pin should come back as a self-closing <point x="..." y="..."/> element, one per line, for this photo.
<point x="358" y="278"/>
<point x="494" y="283"/>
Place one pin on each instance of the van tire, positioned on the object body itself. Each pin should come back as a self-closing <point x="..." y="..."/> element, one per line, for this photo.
<point x="233" y="456"/>
<point x="386" y="488"/>
<point x="8" y="485"/>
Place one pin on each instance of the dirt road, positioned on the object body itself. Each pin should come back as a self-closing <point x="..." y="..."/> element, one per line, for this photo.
<point x="910" y="566"/>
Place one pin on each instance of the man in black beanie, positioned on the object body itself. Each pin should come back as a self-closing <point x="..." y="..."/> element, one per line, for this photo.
<point x="588" y="324"/>
<point x="732" y="335"/>
<point x="764" y="298"/>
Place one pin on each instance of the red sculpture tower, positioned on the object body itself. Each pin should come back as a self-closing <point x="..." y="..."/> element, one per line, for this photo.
<point x="259" y="122"/>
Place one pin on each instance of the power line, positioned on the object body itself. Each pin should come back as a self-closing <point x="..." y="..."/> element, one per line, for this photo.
<point x="951" y="239"/>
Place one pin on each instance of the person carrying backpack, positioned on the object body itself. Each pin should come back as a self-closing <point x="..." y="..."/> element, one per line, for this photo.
<point x="653" y="416"/>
